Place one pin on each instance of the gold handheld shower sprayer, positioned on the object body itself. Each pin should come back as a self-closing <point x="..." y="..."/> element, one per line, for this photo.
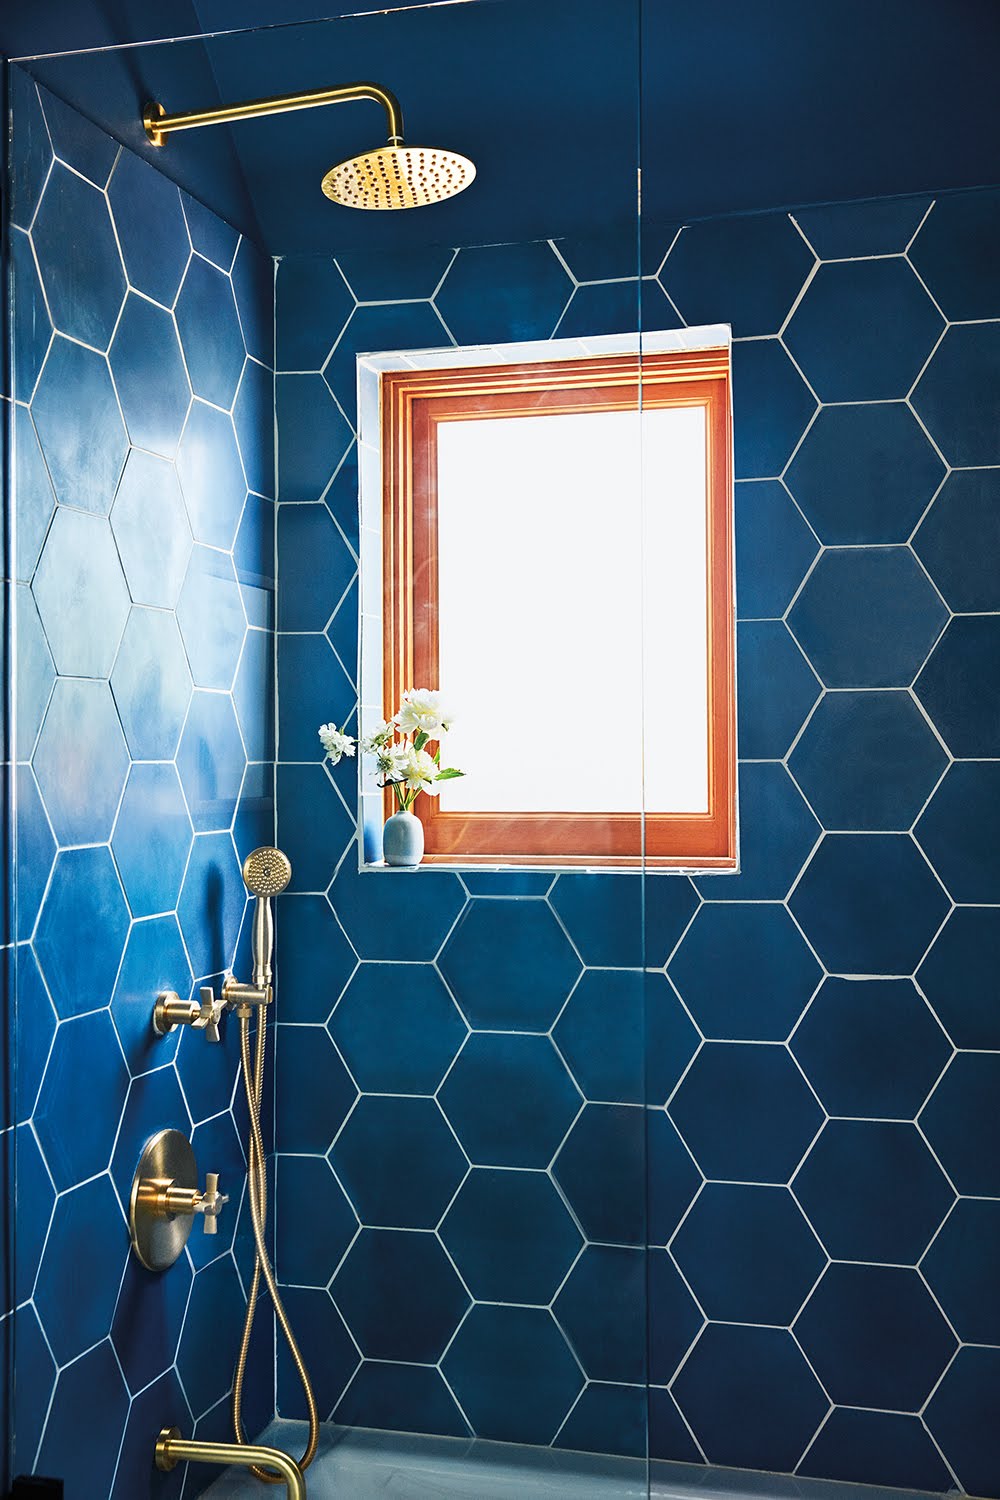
<point x="391" y="176"/>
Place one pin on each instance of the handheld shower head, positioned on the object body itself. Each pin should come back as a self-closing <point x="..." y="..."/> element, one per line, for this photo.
<point x="266" y="873"/>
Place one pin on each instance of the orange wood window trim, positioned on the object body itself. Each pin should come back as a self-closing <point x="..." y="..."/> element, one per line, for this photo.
<point x="413" y="404"/>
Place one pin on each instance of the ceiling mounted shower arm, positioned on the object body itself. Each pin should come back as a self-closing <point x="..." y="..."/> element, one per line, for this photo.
<point x="158" y="124"/>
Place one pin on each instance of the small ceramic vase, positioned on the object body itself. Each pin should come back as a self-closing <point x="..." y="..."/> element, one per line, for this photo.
<point x="403" y="840"/>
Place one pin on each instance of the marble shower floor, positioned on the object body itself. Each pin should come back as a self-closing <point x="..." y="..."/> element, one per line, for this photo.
<point x="359" y="1464"/>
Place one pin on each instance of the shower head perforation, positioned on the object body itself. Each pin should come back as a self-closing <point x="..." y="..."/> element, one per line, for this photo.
<point x="266" y="872"/>
<point x="398" y="177"/>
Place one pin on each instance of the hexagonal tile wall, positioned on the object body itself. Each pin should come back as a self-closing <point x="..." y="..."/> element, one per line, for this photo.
<point x="102" y="802"/>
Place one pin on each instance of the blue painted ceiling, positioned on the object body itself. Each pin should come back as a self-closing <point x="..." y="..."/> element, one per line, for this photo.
<point x="742" y="107"/>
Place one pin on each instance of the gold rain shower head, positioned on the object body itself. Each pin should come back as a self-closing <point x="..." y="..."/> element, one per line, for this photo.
<point x="391" y="176"/>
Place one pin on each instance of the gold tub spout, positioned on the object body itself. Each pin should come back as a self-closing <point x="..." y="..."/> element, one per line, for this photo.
<point x="172" y="1449"/>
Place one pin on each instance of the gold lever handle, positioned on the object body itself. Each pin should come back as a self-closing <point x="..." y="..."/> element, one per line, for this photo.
<point x="170" y="1011"/>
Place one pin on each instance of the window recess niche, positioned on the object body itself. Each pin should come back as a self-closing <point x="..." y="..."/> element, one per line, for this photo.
<point x="547" y="536"/>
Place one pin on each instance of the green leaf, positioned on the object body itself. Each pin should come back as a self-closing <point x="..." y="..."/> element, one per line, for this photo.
<point x="420" y="741"/>
<point x="449" y="774"/>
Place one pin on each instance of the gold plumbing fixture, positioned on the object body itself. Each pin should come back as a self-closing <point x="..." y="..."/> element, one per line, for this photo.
<point x="170" y="1011"/>
<point x="165" y="1198"/>
<point x="391" y="176"/>
<point x="172" y="1449"/>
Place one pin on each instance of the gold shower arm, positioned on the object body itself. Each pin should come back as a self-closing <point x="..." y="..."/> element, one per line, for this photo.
<point x="159" y="124"/>
<point x="172" y="1449"/>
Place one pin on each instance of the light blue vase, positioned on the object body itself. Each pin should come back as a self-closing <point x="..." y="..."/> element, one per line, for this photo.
<point x="403" y="840"/>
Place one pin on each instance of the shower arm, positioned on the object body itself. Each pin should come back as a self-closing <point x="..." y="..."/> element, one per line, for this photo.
<point x="158" y="124"/>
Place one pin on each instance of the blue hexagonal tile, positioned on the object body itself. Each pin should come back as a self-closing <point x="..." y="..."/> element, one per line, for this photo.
<point x="36" y="1372"/>
<point x="36" y="1024"/>
<point x="215" y="1312"/>
<point x="78" y="255"/>
<point x="867" y="760"/>
<point x="863" y="330"/>
<point x="385" y="275"/>
<point x="675" y="1319"/>
<point x="420" y="1164"/>
<point x="875" y="1337"/>
<point x="397" y="1028"/>
<point x="872" y="1191"/>
<point x="210" y="333"/>
<point x="894" y="620"/>
<point x="746" y="1112"/>
<point x="315" y="435"/>
<point x="81" y="594"/>
<point x="253" y="694"/>
<point x="164" y="1401"/>
<point x="313" y="689"/>
<point x="254" y="822"/>
<point x="959" y="686"/>
<point x="211" y="904"/>
<point x="253" y="286"/>
<point x="869" y="903"/>
<point x="672" y="1176"/>
<point x="750" y="1398"/>
<point x="308" y="991"/>
<point x="154" y="960"/>
<point x="509" y="1100"/>
<point x="312" y="303"/>
<point x="870" y="1048"/>
<point x="498" y="293"/>
<point x="774" y="549"/>
<point x="400" y="1296"/>
<point x="601" y="1033"/>
<point x="395" y="918"/>
<point x="606" y="1419"/>
<point x="77" y="141"/>
<point x="669" y="1436"/>
<point x="412" y="1398"/>
<point x="309" y="541"/>
<point x="310" y="1258"/>
<point x="876" y="226"/>
<point x="86" y="1063"/>
<point x="957" y="252"/>
<point x="602" y="1311"/>
<point x="621" y="921"/>
<point x="953" y="397"/>
<point x="34" y="500"/>
<point x="31" y="330"/>
<point x="35" y="672"/>
<point x="253" y="418"/>
<point x="210" y="236"/>
<point x="90" y="1401"/>
<point x="959" y="1267"/>
<point x="776" y="689"/>
<point x="211" y="475"/>
<point x="957" y="976"/>
<point x="316" y="828"/>
<point x="82" y="930"/>
<point x="864" y="473"/>
<point x="146" y="338"/>
<point x="488" y="954"/>
<point x="313" y="1091"/>
<point x="35" y="1201"/>
<point x="36" y="849"/>
<point x="211" y="619"/>
<point x="613" y="307"/>
<point x="744" y="972"/>
<point x="512" y="1373"/>
<point x="152" y="838"/>
<point x="958" y="538"/>
<point x="81" y="794"/>
<point x="330" y="1354"/>
<point x="151" y="530"/>
<point x="960" y="830"/>
<point x="772" y="407"/>
<point x="80" y="427"/>
<point x="211" y="761"/>
<point x="671" y="1039"/>
<point x="747" y="1254"/>
<point x="959" y="1417"/>
<point x="960" y="1120"/>
<point x="87" y="1239"/>
<point x="31" y="148"/>
<point x="601" y="1168"/>
<point x="746" y="271"/>
<point x="152" y="684"/>
<point x="342" y="497"/>
<point x="510" y="1235"/>
<point x="876" y="1447"/>
<point x="155" y="1102"/>
<point x="146" y="208"/>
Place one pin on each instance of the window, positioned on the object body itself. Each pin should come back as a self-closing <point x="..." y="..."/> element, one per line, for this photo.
<point x="547" y="535"/>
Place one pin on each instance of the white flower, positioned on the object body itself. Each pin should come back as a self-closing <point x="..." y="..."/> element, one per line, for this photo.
<point x="419" y="771"/>
<point x="379" y="737"/>
<point x="390" y="761"/>
<point x="424" y="712"/>
<point x="335" y="742"/>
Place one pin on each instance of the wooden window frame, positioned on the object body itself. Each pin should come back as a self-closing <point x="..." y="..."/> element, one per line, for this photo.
<point x="413" y="403"/>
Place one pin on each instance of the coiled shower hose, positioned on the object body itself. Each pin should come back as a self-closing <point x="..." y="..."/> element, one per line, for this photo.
<point x="257" y="1189"/>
